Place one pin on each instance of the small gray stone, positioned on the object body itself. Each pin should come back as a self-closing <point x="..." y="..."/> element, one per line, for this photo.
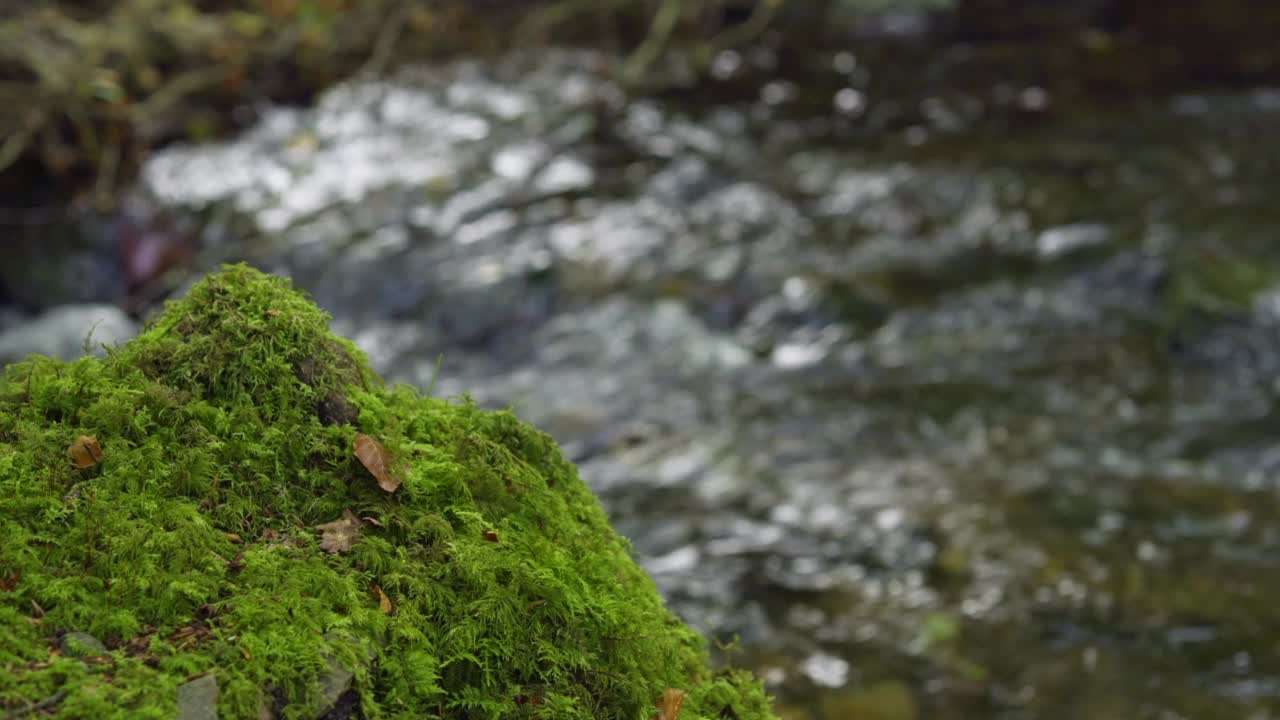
<point x="78" y="644"/>
<point x="198" y="699"/>
<point x="335" y="681"/>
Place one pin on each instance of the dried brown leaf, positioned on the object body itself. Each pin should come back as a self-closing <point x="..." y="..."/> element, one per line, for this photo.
<point x="669" y="704"/>
<point x="338" y="536"/>
<point x="384" y="602"/>
<point x="233" y="538"/>
<point x="490" y="535"/>
<point x="9" y="582"/>
<point x="378" y="461"/>
<point x="85" y="452"/>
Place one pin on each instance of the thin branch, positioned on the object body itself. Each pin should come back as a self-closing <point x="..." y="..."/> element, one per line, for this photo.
<point x="48" y="702"/>
<point x="385" y="43"/>
<point x="108" y="168"/>
<point x="664" y="24"/>
<point x="431" y="388"/>
<point x="550" y="17"/>
<point x="12" y="148"/>
<point x="169" y="95"/>
<point x="761" y="16"/>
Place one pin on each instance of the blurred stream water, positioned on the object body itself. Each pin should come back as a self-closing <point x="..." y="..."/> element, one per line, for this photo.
<point x="956" y="423"/>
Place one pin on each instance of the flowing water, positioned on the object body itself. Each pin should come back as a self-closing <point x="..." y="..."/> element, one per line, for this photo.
<point x="944" y="412"/>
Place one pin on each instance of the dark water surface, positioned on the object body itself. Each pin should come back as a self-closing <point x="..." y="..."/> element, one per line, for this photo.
<point x="945" y="412"/>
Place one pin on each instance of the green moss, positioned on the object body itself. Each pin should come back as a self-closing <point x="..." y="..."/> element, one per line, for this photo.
<point x="227" y="430"/>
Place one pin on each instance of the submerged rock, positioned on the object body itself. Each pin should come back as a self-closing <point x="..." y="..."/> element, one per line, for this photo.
<point x="67" y="332"/>
<point x="487" y="583"/>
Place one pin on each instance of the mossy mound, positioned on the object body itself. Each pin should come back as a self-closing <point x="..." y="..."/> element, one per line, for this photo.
<point x="488" y="584"/>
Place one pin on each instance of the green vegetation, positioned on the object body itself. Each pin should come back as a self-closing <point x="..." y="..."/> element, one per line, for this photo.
<point x="100" y="83"/>
<point x="235" y="494"/>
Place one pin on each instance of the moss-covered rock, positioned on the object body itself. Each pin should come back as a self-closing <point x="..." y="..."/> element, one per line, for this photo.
<point x="488" y="584"/>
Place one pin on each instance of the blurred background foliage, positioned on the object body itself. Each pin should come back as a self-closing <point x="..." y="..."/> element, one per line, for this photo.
<point x="99" y="83"/>
<point x="93" y="86"/>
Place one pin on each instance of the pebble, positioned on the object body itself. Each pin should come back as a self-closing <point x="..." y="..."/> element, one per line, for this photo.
<point x="79" y="644"/>
<point x="66" y="332"/>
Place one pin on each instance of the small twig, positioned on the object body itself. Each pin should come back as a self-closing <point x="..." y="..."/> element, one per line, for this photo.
<point x="12" y="148"/>
<point x="761" y="16"/>
<point x="82" y="123"/>
<point x="431" y="388"/>
<point x="86" y="345"/>
<point x="385" y="43"/>
<point x="169" y="95"/>
<point x="660" y="30"/>
<point x="108" y="167"/>
<point x="48" y="702"/>
<point x="550" y="17"/>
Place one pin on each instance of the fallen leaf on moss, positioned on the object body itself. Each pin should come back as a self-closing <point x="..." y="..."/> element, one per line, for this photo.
<point x="669" y="704"/>
<point x="10" y="581"/>
<point x="384" y="602"/>
<point x="234" y="538"/>
<point x="377" y="460"/>
<point x="490" y="535"/>
<point x="338" y="536"/>
<point x="85" y="451"/>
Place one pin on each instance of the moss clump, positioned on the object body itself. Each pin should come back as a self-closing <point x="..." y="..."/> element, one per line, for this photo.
<point x="488" y="585"/>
